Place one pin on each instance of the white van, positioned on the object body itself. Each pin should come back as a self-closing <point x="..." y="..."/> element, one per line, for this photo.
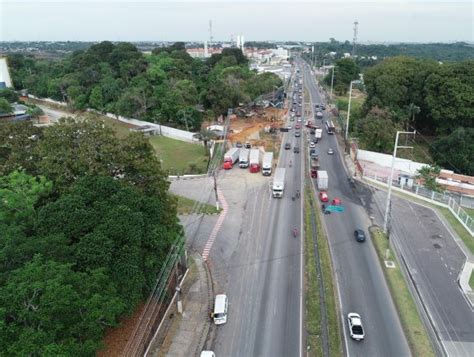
<point x="207" y="354"/>
<point x="220" y="309"/>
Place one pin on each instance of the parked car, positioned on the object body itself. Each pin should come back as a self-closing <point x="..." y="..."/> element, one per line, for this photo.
<point x="247" y="145"/>
<point x="287" y="146"/>
<point x="330" y="151"/>
<point x="359" y="235"/>
<point x="312" y="145"/>
<point x="354" y="323"/>
<point x="238" y="144"/>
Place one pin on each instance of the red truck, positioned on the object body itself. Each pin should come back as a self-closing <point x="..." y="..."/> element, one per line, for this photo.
<point x="230" y="158"/>
<point x="314" y="167"/>
<point x="254" y="160"/>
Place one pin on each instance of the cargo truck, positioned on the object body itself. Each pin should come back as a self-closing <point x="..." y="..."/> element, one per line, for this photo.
<point x="244" y="158"/>
<point x="230" y="158"/>
<point x="278" y="182"/>
<point x="267" y="164"/>
<point x="318" y="134"/>
<point x="322" y="180"/>
<point x="314" y="167"/>
<point x="254" y="160"/>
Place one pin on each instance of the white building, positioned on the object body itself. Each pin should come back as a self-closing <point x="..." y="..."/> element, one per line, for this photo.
<point x="5" y="79"/>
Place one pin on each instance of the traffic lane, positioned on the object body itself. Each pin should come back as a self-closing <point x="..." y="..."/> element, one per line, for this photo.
<point x="278" y="332"/>
<point x="435" y="260"/>
<point x="363" y="289"/>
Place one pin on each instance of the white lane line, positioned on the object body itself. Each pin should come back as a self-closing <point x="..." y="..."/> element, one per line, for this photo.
<point x="217" y="226"/>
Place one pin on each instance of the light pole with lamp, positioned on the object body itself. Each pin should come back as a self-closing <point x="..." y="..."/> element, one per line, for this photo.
<point x="387" y="207"/>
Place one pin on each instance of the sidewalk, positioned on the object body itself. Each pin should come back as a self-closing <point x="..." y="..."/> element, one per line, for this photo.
<point x="188" y="332"/>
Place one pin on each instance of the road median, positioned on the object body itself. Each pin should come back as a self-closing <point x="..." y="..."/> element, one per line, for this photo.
<point x="417" y="335"/>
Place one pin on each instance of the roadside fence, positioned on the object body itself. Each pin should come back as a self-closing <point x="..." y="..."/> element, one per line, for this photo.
<point x="444" y="198"/>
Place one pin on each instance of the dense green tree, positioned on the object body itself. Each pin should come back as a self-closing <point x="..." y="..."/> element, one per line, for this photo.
<point x="456" y="151"/>
<point x="9" y="94"/>
<point x="345" y="71"/>
<point x="377" y="131"/>
<point x="96" y="99"/>
<point x="428" y="174"/>
<point x="47" y="308"/>
<point x="5" y="107"/>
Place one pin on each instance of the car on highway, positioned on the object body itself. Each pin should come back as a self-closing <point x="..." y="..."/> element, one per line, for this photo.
<point x="323" y="196"/>
<point x="298" y="126"/>
<point x="316" y="106"/>
<point x="221" y="304"/>
<point x="312" y="145"/>
<point x="336" y="202"/>
<point x="323" y="107"/>
<point x="330" y="151"/>
<point x="296" y="150"/>
<point x="297" y="133"/>
<point x="238" y="144"/>
<point x="359" y="235"/>
<point x="207" y="354"/>
<point x="289" y="127"/>
<point x="287" y="146"/>
<point x="354" y="323"/>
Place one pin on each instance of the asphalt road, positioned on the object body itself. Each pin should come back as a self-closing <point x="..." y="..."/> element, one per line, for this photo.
<point x="260" y="267"/>
<point x="360" y="279"/>
<point x="435" y="261"/>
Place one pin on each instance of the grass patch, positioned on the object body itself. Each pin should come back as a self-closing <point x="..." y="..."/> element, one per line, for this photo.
<point x="313" y="312"/>
<point x="179" y="157"/>
<point x="471" y="281"/>
<point x="187" y="206"/>
<point x="470" y="212"/>
<point x="418" y="339"/>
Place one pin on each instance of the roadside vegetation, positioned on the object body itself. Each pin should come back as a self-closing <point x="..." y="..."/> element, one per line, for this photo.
<point x="418" y="338"/>
<point x="167" y="86"/>
<point x="313" y="310"/>
<point x="188" y="206"/>
<point x="86" y="224"/>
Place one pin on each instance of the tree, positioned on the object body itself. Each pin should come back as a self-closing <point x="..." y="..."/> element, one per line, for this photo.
<point x="377" y="131"/>
<point x="455" y="152"/>
<point x="9" y="94"/>
<point x="96" y="99"/>
<point x="345" y="71"/>
<point x="48" y="308"/>
<point x="412" y="110"/>
<point x="5" y="107"/>
<point x="35" y="112"/>
<point x="428" y="174"/>
<point x="205" y="136"/>
<point x="19" y="194"/>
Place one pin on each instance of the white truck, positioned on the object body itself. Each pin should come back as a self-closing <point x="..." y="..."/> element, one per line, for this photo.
<point x="322" y="180"/>
<point x="267" y="164"/>
<point x="244" y="158"/>
<point x="230" y="158"/>
<point x="318" y="133"/>
<point x="278" y="182"/>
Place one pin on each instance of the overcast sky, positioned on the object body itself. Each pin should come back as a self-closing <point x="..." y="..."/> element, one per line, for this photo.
<point x="120" y="20"/>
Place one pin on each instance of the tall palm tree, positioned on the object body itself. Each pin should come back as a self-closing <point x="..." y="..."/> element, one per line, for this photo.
<point x="412" y="110"/>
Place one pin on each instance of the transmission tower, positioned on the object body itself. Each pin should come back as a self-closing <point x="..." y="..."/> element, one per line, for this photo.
<point x="354" y="41"/>
<point x="210" y="33"/>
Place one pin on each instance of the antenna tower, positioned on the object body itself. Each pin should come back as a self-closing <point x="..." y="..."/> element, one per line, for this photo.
<point x="210" y="33"/>
<point x="354" y="41"/>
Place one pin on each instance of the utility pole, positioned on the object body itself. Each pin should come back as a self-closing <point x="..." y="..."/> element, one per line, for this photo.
<point x="332" y="79"/>
<point x="349" y="109"/>
<point x="388" y="204"/>
<point x="215" y="189"/>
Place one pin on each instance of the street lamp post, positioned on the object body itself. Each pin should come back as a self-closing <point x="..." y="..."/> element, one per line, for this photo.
<point x="332" y="80"/>
<point x="387" y="206"/>
<point x="349" y="108"/>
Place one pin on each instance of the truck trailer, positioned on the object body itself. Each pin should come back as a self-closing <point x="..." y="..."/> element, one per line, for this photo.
<point x="230" y="158"/>
<point x="267" y="164"/>
<point x="318" y="133"/>
<point x="254" y="160"/>
<point x="314" y="167"/>
<point x="244" y="158"/>
<point x="278" y="183"/>
<point x="322" y="180"/>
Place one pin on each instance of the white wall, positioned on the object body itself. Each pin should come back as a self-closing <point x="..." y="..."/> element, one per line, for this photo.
<point x="4" y="73"/>
<point x="407" y="166"/>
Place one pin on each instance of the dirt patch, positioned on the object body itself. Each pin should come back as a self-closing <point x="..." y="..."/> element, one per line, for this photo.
<point x="255" y="128"/>
<point x="116" y="339"/>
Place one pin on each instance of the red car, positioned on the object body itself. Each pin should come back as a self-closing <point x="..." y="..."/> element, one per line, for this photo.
<point x="323" y="196"/>
<point x="336" y="202"/>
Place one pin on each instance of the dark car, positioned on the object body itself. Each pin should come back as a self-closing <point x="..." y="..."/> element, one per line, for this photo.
<point x="359" y="235"/>
<point x="316" y="106"/>
<point x="296" y="150"/>
<point x="238" y="144"/>
<point x="323" y="107"/>
<point x="287" y="146"/>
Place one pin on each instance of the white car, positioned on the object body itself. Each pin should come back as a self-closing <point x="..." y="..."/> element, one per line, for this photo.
<point x="312" y="145"/>
<point x="289" y="127"/>
<point x="354" y="322"/>
<point x="330" y="151"/>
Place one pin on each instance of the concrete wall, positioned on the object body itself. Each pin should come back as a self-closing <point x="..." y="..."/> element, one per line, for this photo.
<point x="404" y="165"/>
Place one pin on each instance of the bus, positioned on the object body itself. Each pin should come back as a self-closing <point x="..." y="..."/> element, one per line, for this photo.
<point x="330" y="127"/>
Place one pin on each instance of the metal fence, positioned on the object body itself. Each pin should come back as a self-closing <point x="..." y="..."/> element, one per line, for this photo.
<point x="445" y="198"/>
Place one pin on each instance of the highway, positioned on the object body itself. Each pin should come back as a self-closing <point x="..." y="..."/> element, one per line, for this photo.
<point x="361" y="284"/>
<point x="260" y="270"/>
